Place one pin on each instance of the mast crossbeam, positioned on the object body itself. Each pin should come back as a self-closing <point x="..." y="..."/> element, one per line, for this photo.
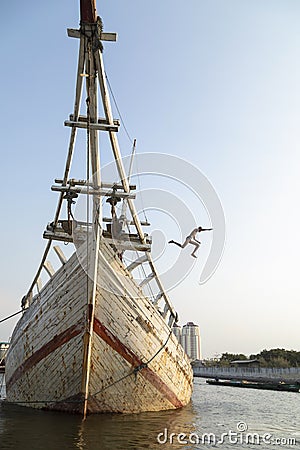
<point x="91" y="191"/>
<point x="110" y="37"/>
<point x="101" y="120"/>
<point x="91" y="126"/>
<point x="74" y="182"/>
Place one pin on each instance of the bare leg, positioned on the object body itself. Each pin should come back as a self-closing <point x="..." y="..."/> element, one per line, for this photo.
<point x="197" y="245"/>
<point x="176" y="243"/>
<point x="180" y="245"/>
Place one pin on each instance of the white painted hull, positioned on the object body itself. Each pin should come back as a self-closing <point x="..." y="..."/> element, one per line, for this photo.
<point x="44" y="365"/>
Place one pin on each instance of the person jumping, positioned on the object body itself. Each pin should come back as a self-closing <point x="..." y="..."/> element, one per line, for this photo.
<point x="191" y="239"/>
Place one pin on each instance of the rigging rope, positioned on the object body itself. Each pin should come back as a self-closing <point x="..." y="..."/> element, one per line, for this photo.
<point x="117" y="108"/>
<point x="12" y="315"/>
<point x="140" y="190"/>
<point x="129" y="137"/>
<point x="136" y="369"/>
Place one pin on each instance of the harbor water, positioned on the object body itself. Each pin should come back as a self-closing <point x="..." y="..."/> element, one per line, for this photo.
<point x="217" y="417"/>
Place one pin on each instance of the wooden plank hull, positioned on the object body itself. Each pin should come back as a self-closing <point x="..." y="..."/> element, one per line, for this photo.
<point x="136" y="362"/>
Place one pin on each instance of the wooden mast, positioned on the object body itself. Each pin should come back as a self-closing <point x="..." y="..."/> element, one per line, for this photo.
<point x="88" y="24"/>
<point x="91" y="34"/>
<point x="91" y="69"/>
<point x="88" y="11"/>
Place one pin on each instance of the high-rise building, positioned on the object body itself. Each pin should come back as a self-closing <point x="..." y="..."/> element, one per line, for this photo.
<point x="177" y="331"/>
<point x="190" y="340"/>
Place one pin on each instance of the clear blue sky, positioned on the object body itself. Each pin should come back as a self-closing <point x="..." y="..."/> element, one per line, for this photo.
<point x="214" y="82"/>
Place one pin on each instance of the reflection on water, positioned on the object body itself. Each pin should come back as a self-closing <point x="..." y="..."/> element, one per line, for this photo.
<point x="28" y="429"/>
<point x="133" y="431"/>
<point x="2" y="386"/>
<point x="214" y="409"/>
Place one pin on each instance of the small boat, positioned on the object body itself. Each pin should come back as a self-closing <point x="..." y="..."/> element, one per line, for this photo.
<point x="92" y="339"/>
<point x="271" y="386"/>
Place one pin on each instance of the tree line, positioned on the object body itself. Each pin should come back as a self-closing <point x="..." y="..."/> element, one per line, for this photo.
<point x="276" y="357"/>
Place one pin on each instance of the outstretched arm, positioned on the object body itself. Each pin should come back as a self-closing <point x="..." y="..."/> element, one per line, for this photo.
<point x="206" y="229"/>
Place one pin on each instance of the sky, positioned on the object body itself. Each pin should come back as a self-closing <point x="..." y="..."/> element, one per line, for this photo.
<point x="213" y="82"/>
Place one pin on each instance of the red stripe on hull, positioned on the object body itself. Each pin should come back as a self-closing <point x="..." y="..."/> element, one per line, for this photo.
<point x="44" y="351"/>
<point x="135" y="361"/>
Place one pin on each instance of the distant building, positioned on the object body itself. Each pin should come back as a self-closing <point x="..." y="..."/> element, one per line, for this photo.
<point x="191" y="341"/>
<point x="177" y="331"/>
<point x="189" y="337"/>
<point x="245" y="362"/>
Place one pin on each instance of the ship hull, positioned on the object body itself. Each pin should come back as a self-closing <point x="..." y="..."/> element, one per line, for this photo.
<point x="136" y="363"/>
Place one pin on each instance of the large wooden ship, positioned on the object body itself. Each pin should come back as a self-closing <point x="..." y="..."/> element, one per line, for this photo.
<point x="90" y="340"/>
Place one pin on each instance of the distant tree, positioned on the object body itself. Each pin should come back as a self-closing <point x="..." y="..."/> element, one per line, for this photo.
<point x="262" y="361"/>
<point x="226" y="358"/>
<point x="280" y="362"/>
<point x="278" y="357"/>
<point x="275" y="357"/>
